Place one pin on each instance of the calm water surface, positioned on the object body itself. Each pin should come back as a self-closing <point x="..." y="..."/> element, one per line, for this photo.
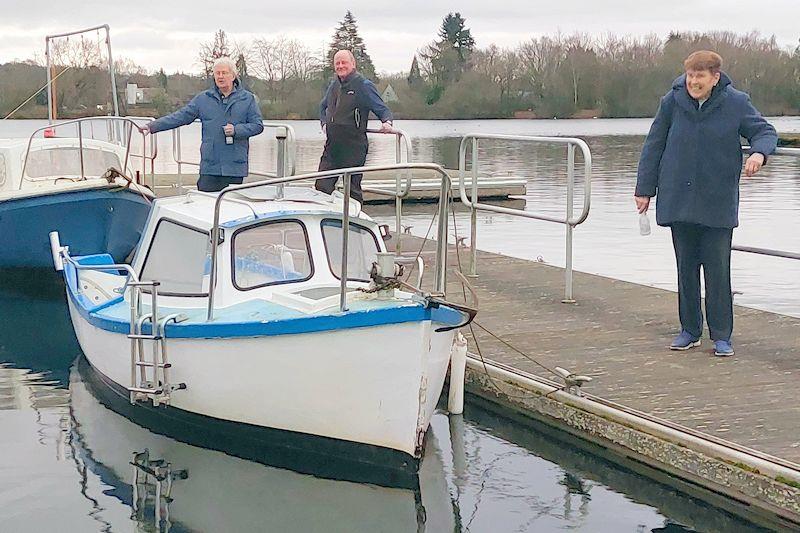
<point x="65" y="466"/>
<point x="608" y="243"/>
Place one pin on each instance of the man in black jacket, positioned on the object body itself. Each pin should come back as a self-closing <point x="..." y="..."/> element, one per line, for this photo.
<point x="343" y="113"/>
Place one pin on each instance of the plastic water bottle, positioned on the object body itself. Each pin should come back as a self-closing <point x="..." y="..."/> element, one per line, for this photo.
<point x="644" y="224"/>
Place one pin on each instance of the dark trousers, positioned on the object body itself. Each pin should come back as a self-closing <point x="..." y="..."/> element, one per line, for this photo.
<point x="343" y="150"/>
<point x="710" y="248"/>
<point x="208" y="183"/>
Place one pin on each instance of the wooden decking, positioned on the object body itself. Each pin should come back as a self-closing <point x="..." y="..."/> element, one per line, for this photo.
<point x="618" y="333"/>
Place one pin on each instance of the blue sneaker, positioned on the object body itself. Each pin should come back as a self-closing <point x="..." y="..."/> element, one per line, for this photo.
<point x="723" y="349"/>
<point x="684" y="341"/>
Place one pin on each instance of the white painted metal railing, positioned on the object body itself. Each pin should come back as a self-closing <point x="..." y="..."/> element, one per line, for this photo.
<point x="569" y="220"/>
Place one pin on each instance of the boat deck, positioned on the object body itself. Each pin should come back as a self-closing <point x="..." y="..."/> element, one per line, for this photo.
<point x="618" y="333"/>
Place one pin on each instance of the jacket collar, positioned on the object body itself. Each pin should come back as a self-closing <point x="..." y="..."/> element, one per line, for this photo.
<point x="718" y="94"/>
<point x="347" y="79"/>
<point x="215" y="92"/>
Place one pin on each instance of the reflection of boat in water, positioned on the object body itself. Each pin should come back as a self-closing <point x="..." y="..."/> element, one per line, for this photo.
<point x="225" y="493"/>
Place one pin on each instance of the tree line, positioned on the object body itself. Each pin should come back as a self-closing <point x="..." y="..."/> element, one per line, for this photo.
<point x="576" y="75"/>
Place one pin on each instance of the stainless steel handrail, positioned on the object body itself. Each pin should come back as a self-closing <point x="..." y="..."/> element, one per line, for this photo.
<point x="401" y="138"/>
<point x="78" y="122"/>
<point x="791" y="152"/>
<point x="287" y="149"/>
<point x="440" y="280"/>
<point x="567" y="220"/>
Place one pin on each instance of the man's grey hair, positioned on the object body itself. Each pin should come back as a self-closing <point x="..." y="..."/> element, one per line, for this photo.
<point x="226" y="61"/>
<point x="349" y="53"/>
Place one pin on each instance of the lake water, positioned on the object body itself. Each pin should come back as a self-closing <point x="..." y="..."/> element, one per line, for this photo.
<point x="608" y="243"/>
<point x="64" y="457"/>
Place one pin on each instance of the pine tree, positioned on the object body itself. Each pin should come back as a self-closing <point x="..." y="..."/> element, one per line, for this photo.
<point x="414" y="76"/>
<point x="346" y="37"/>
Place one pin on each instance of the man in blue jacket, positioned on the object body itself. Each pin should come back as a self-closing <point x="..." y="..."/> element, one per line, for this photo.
<point x="229" y="116"/>
<point x="691" y="161"/>
<point x="343" y="113"/>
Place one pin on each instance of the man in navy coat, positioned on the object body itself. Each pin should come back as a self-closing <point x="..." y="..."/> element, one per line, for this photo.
<point x="229" y="116"/>
<point x="691" y="162"/>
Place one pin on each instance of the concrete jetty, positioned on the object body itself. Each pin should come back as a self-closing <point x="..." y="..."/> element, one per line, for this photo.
<point x="729" y="425"/>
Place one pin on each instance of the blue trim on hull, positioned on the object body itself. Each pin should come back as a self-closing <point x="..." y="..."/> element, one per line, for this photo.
<point x="254" y="318"/>
<point x="307" y="454"/>
<point x="87" y="221"/>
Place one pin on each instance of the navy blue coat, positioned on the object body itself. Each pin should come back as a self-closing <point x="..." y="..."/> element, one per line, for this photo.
<point x="240" y="109"/>
<point x="692" y="158"/>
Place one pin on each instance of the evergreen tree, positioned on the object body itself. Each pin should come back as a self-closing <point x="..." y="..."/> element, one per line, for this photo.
<point x="346" y="37"/>
<point x="459" y="37"/>
<point x="414" y="76"/>
<point x="241" y="66"/>
<point x="161" y="76"/>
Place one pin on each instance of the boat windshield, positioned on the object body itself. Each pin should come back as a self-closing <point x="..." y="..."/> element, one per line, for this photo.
<point x="179" y="259"/>
<point x="65" y="161"/>
<point x="362" y="249"/>
<point x="271" y="253"/>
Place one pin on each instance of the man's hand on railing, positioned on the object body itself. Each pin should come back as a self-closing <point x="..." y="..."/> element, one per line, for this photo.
<point x="144" y="129"/>
<point x="386" y="127"/>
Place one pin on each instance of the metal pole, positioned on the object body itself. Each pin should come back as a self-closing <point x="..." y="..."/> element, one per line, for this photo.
<point x="80" y="148"/>
<point x="398" y="202"/>
<point x="345" y="235"/>
<point x="49" y="82"/>
<point x="473" y="213"/>
<point x="280" y="135"/>
<point x="176" y="139"/>
<point x="441" y="248"/>
<point x="570" y="193"/>
<point x="111" y="71"/>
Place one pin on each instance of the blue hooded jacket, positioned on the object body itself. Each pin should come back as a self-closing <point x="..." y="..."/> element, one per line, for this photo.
<point x="240" y="109"/>
<point x="692" y="158"/>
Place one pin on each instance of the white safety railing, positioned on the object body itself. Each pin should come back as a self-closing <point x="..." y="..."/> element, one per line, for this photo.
<point x="569" y="220"/>
<point x="120" y="128"/>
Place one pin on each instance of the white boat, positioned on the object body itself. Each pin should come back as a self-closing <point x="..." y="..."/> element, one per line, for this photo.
<point x="266" y="332"/>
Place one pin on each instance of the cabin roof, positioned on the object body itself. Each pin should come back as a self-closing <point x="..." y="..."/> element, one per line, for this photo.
<point x="242" y="207"/>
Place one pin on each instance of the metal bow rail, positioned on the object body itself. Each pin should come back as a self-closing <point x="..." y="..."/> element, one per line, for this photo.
<point x="85" y="126"/>
<point x="568" y="220"/>
<point x="440" y="280"/>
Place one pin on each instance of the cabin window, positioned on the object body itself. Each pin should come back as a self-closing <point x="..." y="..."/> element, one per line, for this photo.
<point x="362" y="249"/>
<point x="271" y="253"/>
<point x="66" y="161"/>
<point x="179" y="258"/>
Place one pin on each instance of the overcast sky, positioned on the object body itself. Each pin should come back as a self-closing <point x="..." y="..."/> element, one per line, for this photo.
<point x="166" y="33"/>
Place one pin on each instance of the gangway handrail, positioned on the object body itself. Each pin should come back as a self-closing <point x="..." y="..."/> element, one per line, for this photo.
<point x="440" y="281"/>
<point x="400" y="193"/>
<point x="781" y="151"/>
<point x="287" y="148"/>
<point x="79" y="124"/>
<point x="567" y="220"/>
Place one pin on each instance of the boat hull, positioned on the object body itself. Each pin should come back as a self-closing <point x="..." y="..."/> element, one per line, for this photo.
<point x="107" y="218"/>
<point x="360" y="394"/>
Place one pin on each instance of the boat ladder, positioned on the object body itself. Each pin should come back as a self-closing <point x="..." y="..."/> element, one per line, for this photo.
<point x="150" y="379"/>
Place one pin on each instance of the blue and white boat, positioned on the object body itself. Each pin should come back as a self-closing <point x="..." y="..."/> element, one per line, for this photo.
<point x="251" y="311"/>
<point x="74" y="184"/>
